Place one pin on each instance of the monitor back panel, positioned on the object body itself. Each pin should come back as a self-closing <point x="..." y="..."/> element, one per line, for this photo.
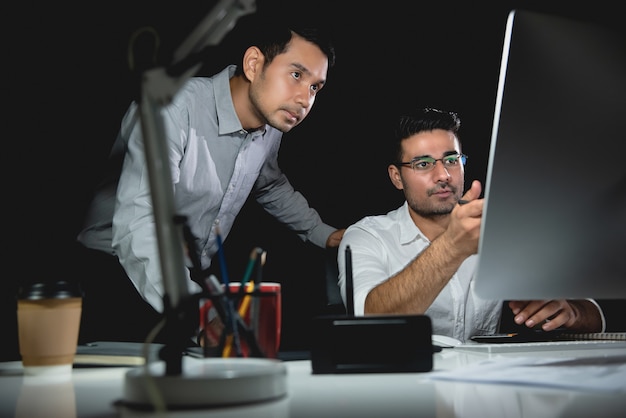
<point x="554" y="221"/>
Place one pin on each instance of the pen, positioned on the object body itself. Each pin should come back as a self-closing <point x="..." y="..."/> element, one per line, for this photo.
<point x="463" y="201"/>
<point x="255" y="304"/>
<point x="230" y="308"/>
<point x="349" y="283"/>
<point x="222" y="258"/>
<point x="216" y="292"/>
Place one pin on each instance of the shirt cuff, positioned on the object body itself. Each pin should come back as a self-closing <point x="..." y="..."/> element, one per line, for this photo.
<point x="320" y="235"/>
<point x="601" y="314"/>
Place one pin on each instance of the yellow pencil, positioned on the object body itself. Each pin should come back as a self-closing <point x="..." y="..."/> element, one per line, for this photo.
<point x="243" y="308"/>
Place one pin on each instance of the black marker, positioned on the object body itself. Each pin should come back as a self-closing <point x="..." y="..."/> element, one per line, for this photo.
<point x="349" y="283"/>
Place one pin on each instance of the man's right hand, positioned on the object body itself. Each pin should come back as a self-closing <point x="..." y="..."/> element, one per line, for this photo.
<point x="464" y="226"/>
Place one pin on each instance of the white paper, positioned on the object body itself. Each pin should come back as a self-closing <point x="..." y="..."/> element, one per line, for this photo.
<point x="597" y="374"/>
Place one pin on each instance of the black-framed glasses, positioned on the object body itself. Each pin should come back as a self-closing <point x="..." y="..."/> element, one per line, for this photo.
<point x="424" y="164"/>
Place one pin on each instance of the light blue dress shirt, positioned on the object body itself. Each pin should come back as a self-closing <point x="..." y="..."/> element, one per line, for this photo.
<point x="215" y="165"/>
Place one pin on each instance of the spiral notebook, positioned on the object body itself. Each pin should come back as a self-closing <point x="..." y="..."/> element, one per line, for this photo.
<point x="549" y="336"/>
<point x="546" y="346"/>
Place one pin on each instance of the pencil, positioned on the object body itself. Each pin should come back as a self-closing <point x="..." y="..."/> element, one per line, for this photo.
<point x="243" y="310"/>
<point x="251" y="263"/>
<point x="245" y="303"/>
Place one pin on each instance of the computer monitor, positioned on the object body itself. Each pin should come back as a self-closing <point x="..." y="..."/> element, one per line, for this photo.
<point x="554" y="220"/>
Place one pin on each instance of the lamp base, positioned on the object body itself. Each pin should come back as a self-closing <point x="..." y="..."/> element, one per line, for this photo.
<point x="205" y="383"/>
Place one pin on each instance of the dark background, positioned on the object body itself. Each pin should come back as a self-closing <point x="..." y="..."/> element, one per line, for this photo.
<point x="68" y="86"/>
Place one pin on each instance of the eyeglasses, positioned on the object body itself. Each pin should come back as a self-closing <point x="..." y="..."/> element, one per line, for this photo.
<point x="424" y="164"/>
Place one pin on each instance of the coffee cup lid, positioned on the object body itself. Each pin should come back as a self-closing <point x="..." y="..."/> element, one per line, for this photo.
<point x="49" y="290"/>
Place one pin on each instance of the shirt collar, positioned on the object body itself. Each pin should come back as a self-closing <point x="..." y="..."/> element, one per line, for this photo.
<point x="409" y="232"/>
<point x="227" y="117"/>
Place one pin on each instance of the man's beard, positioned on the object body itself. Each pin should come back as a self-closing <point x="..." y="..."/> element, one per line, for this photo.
<point x="430" y="211"/>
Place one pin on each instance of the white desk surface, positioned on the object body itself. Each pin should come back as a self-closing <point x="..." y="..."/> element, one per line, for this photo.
<point x="93" y="392"/>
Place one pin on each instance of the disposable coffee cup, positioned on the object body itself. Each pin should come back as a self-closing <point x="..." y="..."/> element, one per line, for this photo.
<point x="48" y="316"/>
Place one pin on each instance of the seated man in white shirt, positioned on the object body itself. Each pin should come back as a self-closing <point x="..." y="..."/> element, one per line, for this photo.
<point x="420" y="258"/>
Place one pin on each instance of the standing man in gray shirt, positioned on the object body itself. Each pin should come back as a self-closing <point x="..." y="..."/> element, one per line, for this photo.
<point x="223" y="135"/>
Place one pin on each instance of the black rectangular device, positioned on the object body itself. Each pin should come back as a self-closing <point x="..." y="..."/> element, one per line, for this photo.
<point x="371" y="344"/>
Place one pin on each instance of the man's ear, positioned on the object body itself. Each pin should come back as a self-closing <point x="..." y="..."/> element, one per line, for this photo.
<point x="252" y="62"/>
<point x="394" y="176"/>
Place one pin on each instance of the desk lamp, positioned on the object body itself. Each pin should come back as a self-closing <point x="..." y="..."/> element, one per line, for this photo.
<point x="181" y="382"/>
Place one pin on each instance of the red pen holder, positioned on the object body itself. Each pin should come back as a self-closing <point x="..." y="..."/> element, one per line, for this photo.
<point x="261" y="312"/>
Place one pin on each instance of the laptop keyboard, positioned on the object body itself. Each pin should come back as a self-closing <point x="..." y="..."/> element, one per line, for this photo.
<point x="522" y="347"/>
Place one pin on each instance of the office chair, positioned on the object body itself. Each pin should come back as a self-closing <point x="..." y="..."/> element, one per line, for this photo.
<point x="334" y="303"/>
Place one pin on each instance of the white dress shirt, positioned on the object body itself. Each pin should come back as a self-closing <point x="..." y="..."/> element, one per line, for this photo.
<point x="383" y="245"/>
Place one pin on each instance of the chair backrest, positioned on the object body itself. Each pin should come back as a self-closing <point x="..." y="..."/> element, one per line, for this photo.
<point x="334" y="303"/>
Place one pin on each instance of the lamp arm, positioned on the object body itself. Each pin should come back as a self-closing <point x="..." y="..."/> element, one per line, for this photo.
<point x="158" y="88"/>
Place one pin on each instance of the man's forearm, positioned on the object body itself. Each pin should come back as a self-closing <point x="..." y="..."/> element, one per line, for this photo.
<point x="413" y="289"/>
<point x="588" y="317"/>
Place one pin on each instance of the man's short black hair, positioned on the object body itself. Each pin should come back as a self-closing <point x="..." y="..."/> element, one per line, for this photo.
<point x="425" y="119"/>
